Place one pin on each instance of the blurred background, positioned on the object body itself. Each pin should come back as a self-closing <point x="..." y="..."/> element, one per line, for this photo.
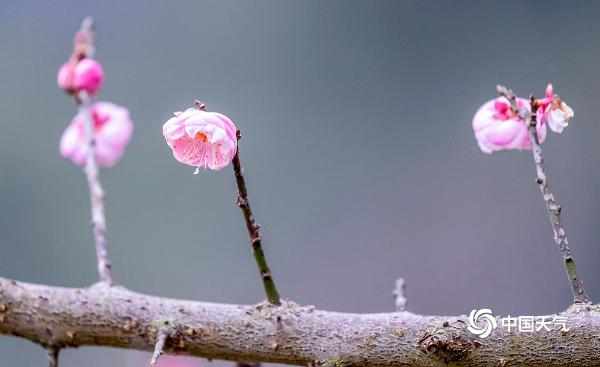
<point x="357" y="142"/>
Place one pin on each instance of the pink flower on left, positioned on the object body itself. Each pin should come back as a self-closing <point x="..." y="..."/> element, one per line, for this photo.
<point x="112" y="131"/>
<point x="498" y="127"/>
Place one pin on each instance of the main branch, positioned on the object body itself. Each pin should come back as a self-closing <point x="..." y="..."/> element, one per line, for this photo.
<point x="113" y="316"/>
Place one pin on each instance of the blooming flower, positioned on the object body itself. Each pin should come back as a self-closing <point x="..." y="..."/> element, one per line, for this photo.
<point x="498" y="127"/>
<point x="559" y="114"/>
<point x="201" y="139"/>
<point x="556" y="111"/>
<point x="86" y="74"/>
<point x="112" y="131"/>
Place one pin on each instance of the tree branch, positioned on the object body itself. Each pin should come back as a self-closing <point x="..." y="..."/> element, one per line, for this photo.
<point x="113" y="316"/>
<point x="253" y="230"/>
<point x="554" y="210"/>
<point x="97" y="195"/>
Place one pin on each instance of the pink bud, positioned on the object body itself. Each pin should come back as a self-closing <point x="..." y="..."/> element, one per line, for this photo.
<point x="544" y="102"/>
<point x="112" y="131"/>
<point x="498" y="127"/>
<point x="201" y="139"/>
<point x="549" y="91"/>
<point x="86" y="74"/>
<point x="65" y="76"/>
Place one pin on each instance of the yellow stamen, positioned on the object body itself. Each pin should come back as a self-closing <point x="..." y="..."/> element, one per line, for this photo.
<point x="202" y="137"/>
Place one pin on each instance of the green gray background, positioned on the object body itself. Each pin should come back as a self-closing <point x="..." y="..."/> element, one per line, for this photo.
<point x="359" y="154"/>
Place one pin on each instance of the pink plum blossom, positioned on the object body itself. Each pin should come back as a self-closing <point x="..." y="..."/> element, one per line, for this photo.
<point x="498" y="127"/>
<point x="201" y="139"/>
<point x="556" y="111"/>
<point x="86" y="74"/>
<point x="112" y="131"/>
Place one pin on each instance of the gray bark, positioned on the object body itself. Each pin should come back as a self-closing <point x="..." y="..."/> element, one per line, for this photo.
<point x="102" y="315"/>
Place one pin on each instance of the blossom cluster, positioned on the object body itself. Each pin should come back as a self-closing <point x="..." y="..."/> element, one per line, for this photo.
<point x="498" y="126"/>
<point x="111" y="125"/>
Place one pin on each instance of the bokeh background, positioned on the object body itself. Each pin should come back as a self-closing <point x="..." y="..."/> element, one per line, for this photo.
<point x="358" y="148"/>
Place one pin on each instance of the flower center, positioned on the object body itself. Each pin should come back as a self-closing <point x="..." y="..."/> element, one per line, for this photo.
<point x="503" y="111"/>
<point x="202" y="137"/>
<point x="99" y="119"/>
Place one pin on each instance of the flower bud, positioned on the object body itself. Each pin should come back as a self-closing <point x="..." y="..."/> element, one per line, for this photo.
<point x="498" y="127"/>
<point x="86" y="74"/>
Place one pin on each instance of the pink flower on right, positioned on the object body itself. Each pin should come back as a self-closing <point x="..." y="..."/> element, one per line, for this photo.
<point x="498" y="127"/>
<point x="201" y="139"/>
<point x="556" y="111"/>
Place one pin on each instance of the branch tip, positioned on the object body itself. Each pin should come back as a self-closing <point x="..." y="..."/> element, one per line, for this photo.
<point x="399" y="294"/>
<point x="88" y="24"/>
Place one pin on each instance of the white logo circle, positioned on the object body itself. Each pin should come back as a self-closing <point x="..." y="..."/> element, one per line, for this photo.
<point x="485" y="316"/>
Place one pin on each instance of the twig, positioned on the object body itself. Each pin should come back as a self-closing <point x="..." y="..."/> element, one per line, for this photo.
<point x="161" y="336"/>
<point x="554" y="210"/>
<point x="53" y="356"/>
<point x="399" y="292"/>
<point x="253" y="230"/>
<point x="97" y="195"/>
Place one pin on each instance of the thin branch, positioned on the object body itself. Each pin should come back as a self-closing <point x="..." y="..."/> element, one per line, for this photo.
<point x="399" y="291"/>
<point x="554" y="210"/>
<point x="161" y="336"/>
<point x="293" y="334"/>
<point x="97" y="195"/>
<point x="53" y="356"/>
<point x="253" y="230"/>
